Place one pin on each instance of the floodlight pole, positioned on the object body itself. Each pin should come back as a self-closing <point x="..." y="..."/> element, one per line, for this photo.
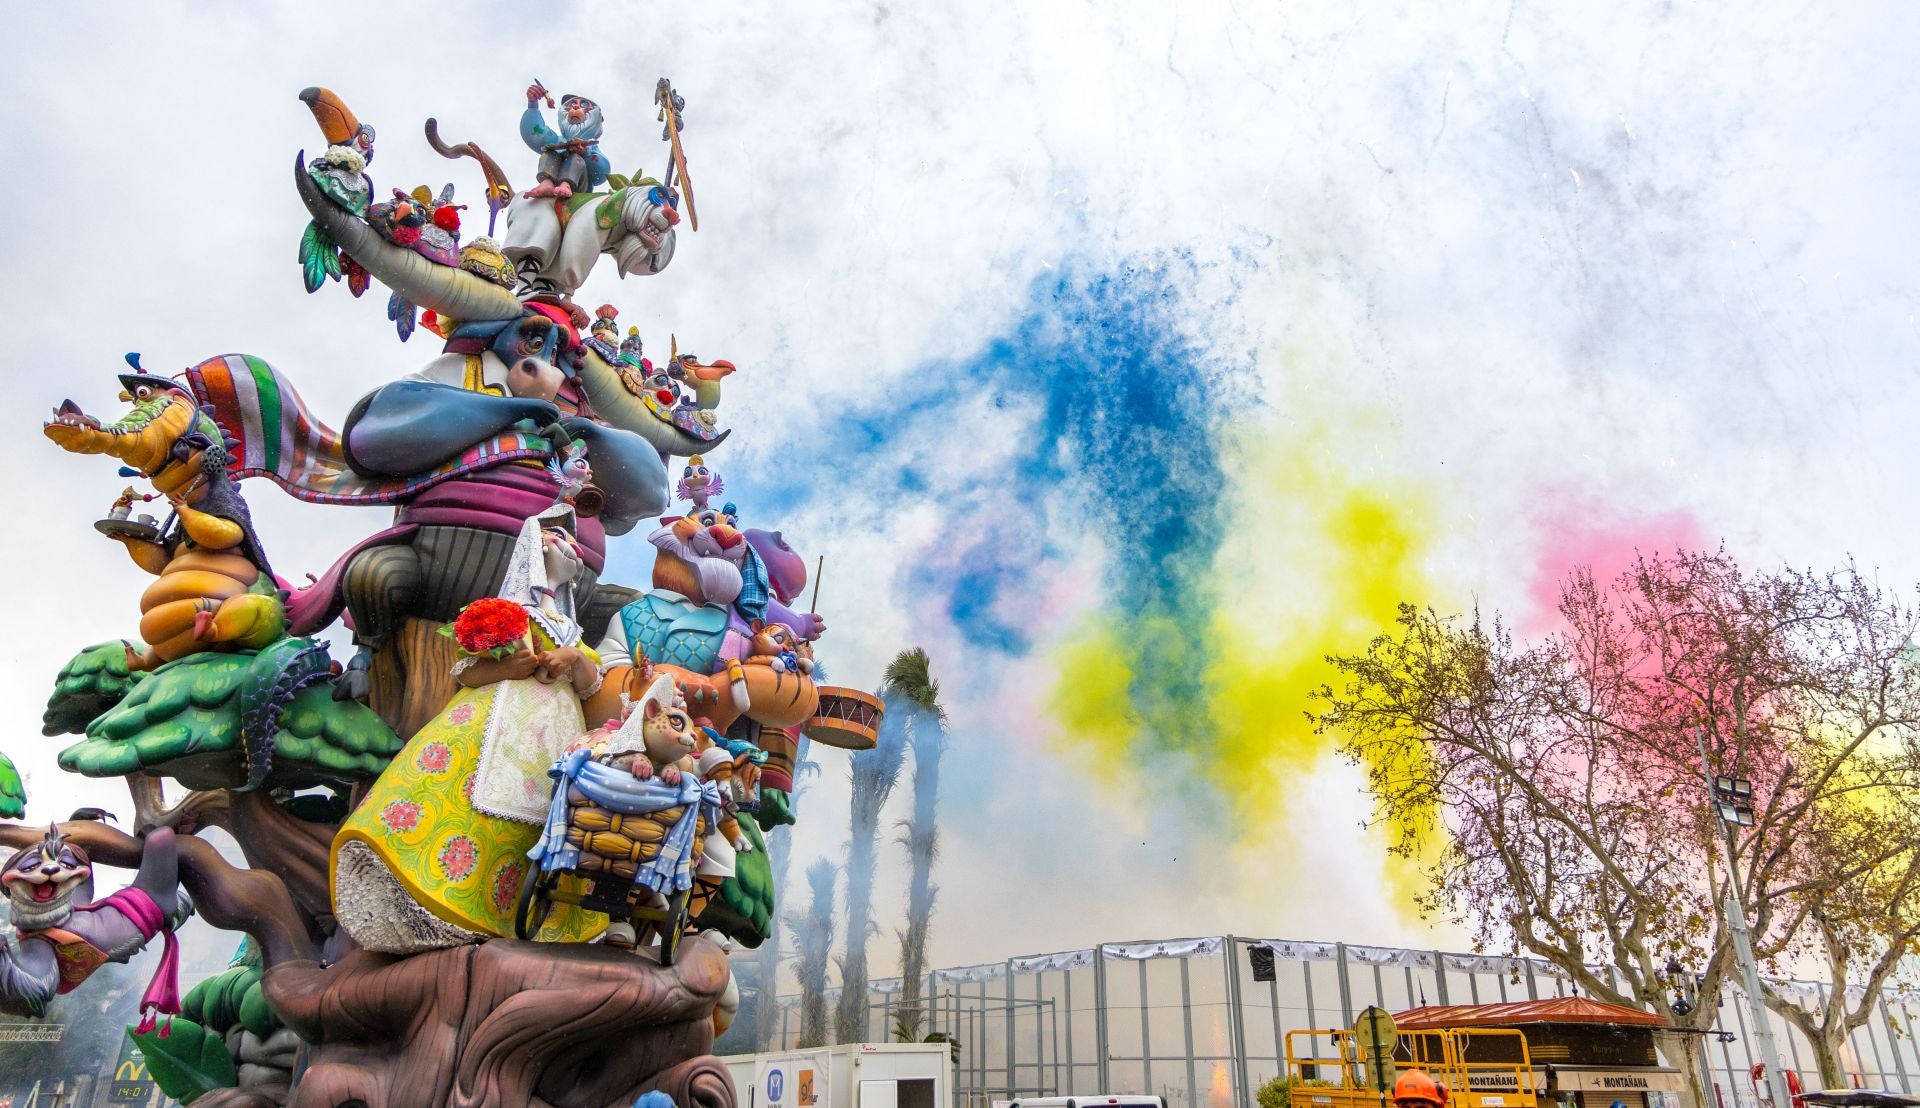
<point x="1735" y="907"/>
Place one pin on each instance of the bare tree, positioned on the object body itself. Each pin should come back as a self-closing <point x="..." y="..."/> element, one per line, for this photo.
<point x="1567" y="777"/>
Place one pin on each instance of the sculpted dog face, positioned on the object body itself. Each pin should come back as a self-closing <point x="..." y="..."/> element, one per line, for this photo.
<point x="44" y="880"/>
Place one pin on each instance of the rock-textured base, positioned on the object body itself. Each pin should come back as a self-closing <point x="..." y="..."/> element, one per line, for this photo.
<point x="506" y="1024"/>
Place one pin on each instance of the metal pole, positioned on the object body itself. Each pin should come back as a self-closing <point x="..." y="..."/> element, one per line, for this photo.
<point x="1186" y="1019"/>
<point x="1346" y="990"/>
<point x="1893" y="1041"/>
<point x="1742" y="940"/>
<point x="1100" y="1044"/>
<point x="1146" y="1032"/>
<point x="1237" y="1023"/>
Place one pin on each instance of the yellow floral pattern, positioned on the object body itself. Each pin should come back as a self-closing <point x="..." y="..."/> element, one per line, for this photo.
<point x="460" y="864"/>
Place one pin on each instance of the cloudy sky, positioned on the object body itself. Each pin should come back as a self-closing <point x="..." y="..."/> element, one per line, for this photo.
<point x="1128" y="358"/>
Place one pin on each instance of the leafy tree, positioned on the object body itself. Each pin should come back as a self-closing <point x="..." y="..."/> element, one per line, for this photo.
<point x="1567" y="777"/>
<point x="184" y="720"/>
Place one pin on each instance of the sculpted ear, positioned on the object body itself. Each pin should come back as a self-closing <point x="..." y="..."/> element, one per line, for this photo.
<point x="653" y="708"/>
<point x="759" y="625"/>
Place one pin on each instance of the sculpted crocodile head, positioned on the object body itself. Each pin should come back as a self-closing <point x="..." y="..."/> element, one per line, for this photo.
<point x="147" y="437"/>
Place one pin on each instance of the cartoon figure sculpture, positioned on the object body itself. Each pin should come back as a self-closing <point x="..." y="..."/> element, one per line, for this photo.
<point x="215" y="589"/>
<point x="700" y="572"/>
<point x="396" y="850"/>
<point x="435" y="854"/>
<point x="632" y="814"/>
<point x="570" y="160"/>
<point x="570" y="471"/>
<point x="700" y="484"/>
<point x="64" y="936"/>
<point x="553" y="250"/>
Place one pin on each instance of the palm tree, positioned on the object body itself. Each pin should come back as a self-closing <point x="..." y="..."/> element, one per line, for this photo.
<point x="815" y="944"/>
<point x="912" y="686"/>
<point x="875" y="772"/>
<point x="762" y="971"/>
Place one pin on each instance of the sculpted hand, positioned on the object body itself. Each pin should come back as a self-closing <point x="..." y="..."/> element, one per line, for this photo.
<point x="642" y="768"/>
<point x="534" y="93"/>
<point x="741" y="844"/>
<point x="519" y="665"/>
<point x="670" y="776"/>
<point x="558" y="661"/>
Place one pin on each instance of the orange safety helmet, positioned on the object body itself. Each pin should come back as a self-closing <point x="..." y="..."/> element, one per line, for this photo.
<point x="1417" y="1087"/>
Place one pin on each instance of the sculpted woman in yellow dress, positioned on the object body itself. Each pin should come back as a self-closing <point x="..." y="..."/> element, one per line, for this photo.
<point x="435" y="854"/>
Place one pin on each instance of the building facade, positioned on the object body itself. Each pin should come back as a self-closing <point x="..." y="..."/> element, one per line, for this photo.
<point x="1189" y="1020"/>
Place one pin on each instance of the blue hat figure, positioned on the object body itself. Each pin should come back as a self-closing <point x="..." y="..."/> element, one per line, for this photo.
<point x="653" y="1099"/>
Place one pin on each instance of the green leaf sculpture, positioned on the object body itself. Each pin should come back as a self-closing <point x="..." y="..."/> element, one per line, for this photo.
<point x="215" y="1002"/>
<point x="13" y="794"/>
<point x="95" y="680"/>
<point x="184" y="721"/>
<point x="743" y="908"/>
<point x="189" y="1062"/>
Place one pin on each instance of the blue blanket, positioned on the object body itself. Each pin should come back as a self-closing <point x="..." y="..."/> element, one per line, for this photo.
<point x="669" y="871"/>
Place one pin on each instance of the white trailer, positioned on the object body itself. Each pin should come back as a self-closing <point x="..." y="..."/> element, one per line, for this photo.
<point x="856" y="1075"/>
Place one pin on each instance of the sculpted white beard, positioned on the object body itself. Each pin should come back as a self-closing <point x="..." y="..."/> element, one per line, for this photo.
<point x="29" y="916"/>
<point x="720" y="579"/>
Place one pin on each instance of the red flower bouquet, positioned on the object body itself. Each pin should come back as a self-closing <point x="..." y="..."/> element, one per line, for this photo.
<point x="491" y="626"/>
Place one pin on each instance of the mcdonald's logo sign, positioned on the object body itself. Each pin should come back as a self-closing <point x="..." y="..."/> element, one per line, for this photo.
<point x="131" y="1069"/>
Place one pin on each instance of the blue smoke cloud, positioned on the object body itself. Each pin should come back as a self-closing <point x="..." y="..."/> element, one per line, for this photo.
<point x="1124" y="405"/>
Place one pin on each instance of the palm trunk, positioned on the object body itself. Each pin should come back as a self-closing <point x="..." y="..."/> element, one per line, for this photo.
<point x="875" y="772"/>
<point x="815" y="944"/>
<point x="850" y="1018"/>
<point x="923" y="847"/>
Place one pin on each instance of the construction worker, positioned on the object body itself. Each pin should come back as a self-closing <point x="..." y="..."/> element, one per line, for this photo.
<point x="1417" y="1089"/>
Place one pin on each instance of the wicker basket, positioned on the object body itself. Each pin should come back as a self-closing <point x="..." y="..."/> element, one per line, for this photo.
<point x="618" y="844"/>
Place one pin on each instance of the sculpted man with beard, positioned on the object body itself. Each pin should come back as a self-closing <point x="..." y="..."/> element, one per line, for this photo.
<point x="703" y="569"/>
<point x="64" y="937"/>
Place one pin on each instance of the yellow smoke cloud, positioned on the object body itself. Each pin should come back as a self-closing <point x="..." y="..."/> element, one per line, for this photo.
<point x="1320" y="544"/>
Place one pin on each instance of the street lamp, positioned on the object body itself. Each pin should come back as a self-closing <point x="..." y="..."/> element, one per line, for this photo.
<point x="1686" y="998"/>
<point x="1732" y="801"/>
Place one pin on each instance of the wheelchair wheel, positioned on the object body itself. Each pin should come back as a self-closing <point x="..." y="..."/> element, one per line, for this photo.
<point x="531" y="907"/>
<point x="674" y="927"/>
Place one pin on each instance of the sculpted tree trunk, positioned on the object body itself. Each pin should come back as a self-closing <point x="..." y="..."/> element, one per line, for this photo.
<point x="498" y="1024"/>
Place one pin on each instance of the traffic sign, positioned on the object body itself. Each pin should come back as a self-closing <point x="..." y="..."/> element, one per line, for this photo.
<point x="1375" y="1037"/>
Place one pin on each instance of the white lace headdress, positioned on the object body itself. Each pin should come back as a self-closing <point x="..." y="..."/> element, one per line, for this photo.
<point x="526" y="576"/>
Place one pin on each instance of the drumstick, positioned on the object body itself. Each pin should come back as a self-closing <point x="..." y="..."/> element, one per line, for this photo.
<point x="814" y="605"/>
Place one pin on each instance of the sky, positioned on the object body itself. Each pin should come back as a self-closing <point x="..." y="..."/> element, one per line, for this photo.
<point x="1129" y="359"/>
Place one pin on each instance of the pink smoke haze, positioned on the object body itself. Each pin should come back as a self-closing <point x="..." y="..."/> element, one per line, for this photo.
<point x="1577" y="529"/>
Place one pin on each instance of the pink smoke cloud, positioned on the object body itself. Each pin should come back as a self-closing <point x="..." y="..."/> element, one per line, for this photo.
<point x="1576" y="528"/>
